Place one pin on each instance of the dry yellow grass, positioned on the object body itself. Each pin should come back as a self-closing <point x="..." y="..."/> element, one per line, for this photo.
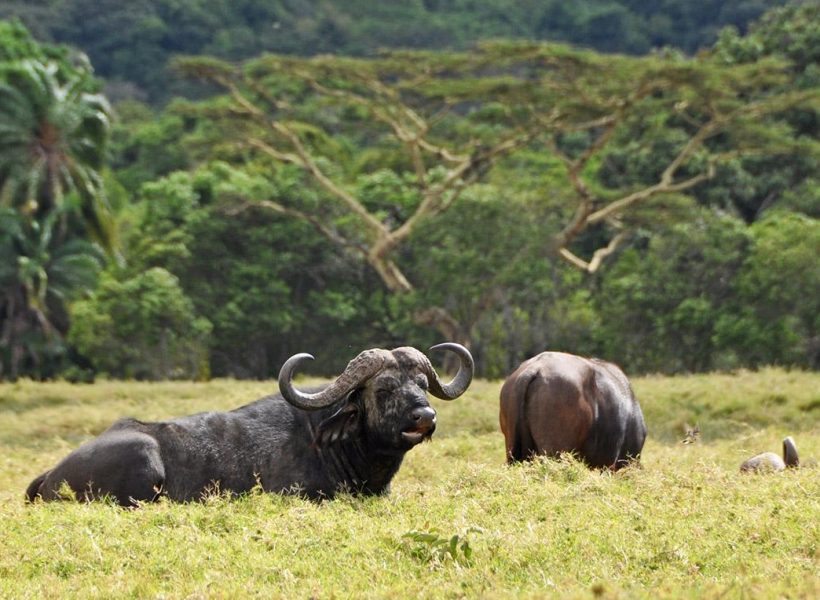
<point x="687" y="524"/>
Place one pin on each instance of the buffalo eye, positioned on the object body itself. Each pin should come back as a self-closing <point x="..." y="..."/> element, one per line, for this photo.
<point x="421" y="381"/>
<point x="384" y="394"/>
<point x="385" y="387"/>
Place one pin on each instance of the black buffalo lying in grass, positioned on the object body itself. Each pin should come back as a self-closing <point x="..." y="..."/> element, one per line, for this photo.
<point x="349" y="436"/>
<point x="556" y="402"/>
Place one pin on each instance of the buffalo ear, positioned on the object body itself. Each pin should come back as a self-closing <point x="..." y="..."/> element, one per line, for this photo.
<point x="339" y="426"/>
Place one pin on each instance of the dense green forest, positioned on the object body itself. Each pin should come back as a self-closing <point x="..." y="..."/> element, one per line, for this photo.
<point x="656" y="208"/>
<point x="130" y="43"/>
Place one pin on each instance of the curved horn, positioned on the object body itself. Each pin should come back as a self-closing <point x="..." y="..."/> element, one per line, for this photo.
<point x="459" y="384"/>
<point x="790" y="452"/>
<point x="358" y="370"/>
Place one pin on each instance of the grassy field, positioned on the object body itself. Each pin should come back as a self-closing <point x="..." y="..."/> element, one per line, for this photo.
<point x="458" y="523"/>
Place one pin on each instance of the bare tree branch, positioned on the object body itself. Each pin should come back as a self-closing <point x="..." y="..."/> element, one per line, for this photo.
<point x="585" y="216"/>
<point x="390" y="273"/>
<point x="597" y="257"/>
<point x="433" y="202"/>
<point x="303" y="159"/>
<point x="442" y="320"/>
<point x="318" y="224"/>
<point x="664" y="187"/>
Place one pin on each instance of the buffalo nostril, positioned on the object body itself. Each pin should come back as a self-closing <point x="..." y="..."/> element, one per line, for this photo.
<point x="424" y="415"/>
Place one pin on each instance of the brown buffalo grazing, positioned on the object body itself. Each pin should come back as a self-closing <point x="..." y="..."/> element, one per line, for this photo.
<point x="557" y="402"/>
<point x="769" y="461"/>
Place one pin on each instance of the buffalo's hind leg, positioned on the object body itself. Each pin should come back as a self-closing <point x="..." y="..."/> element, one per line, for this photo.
<point x="124" y="465"/>
<point x="633" y="443"/>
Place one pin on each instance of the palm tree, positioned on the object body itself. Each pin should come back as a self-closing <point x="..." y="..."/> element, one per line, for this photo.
<point x="40" y="273"/>
<point x="52" y="143"/>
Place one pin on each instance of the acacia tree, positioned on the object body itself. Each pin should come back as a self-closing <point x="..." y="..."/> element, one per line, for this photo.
<point x="440" y="122"/>
<point x="634" y="133"/>
<point x="289" y="110"/>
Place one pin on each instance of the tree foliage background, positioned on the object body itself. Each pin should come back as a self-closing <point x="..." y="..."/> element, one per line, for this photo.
<point x="130" y="43"/>
<point x="656" y="208"/>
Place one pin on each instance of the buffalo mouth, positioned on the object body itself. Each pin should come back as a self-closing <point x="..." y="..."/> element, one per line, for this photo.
<point x="418" y="433"/>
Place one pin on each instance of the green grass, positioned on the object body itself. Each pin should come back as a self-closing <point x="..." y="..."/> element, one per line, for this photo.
<point x="458" y="523"/>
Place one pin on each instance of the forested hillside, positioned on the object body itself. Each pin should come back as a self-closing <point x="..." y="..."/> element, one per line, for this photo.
<point x="658" y="209"/>
<point x="130" y="43"/>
